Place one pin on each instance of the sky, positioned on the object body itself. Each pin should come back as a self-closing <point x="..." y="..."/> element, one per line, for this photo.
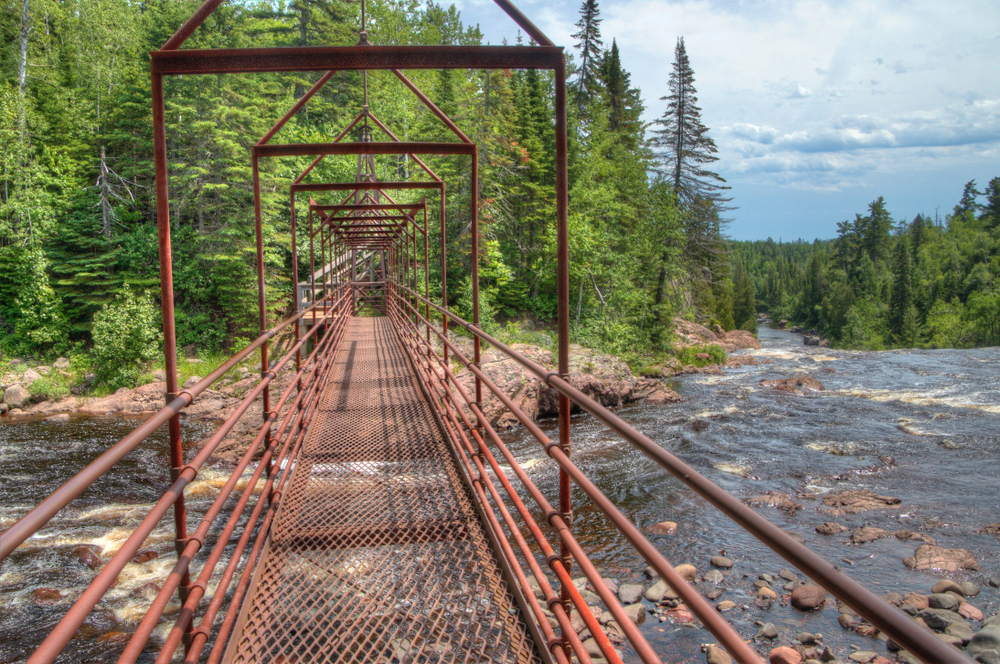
<point x="818" y="107"/>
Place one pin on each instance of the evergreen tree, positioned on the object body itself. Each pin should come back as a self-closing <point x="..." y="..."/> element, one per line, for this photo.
<point x="744" y="300"/>
<point x="874" y="231"/>
<point x="683" y="140"/>
<point x="624" y="106"/>
<point x="968" y="202"/>
<point x="991" y="211"/>
<point x="901" y="323"/>
<point x="590" y="45"/>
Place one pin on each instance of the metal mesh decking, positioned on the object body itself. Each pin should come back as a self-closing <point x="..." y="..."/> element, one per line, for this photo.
<point x="377" y="554"/>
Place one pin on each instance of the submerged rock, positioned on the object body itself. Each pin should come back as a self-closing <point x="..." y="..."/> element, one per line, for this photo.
<point x="861" y="500"/>
<point x="831" y="528"/>
<point x="928" y="556"/>
<point x="774" y="499"/>
<point x="864" y="535"/>
<point x="799" y="384"/>
<point x="808" y="598"/>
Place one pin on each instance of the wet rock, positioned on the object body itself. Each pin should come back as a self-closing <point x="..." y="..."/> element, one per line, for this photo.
<point x="713" y="576"/>
<point x="950" y="640"/>
<point x="590" y="645"/>
<point x="800" y="384"/>
<point x="610" y="584"/>
<point x="913" y="535"/>
<point x="664" y="528"/>
<point x="650" y="572"/>
<point x="827" y="655"/>
<point x="716" y="655"/>
<point x="860" y="500"/>
<point x="994" y="582"/>
<point x="725" y="605"/>
<point x="970" y="612"/>
<point x="969" y="589"/>
<point x="774" y="499"/>
<point x="928" y="556"/>
<point x="788" y="575"/>
<point x="808" y="598"/>
<point x="948" y="586"/>
<point x="946" y="601"/>
<point x="16" y="396"/>
<point x="988" y="656"/>
<point x="963" y="632"/>
<point x="831" y="528"/>
<point x="714" y="594"/>
<point x="741" y="361"/>
<point x="87" y="557"/>
<point x="722" y="561"/>
<point x="663" y="396"/>
<point x="629" y="593"/>
<point x="615" y="633"/>
<point x="767" y="594"/>
<point x="864" y="535"/>
<point x="658" y="591"/>
<point x="46" y="596"/>
<point x="767" y="631"/>
<point x="992" y="529"/>
<point x="62" y="417"/>
<point x="798" y="537"/>
<point x="916" y="600"/>
<point x="687" y="571"/>
<point x="3" y="407"/>
<point x="846" y="620"/>
<point x="806" y="638"/>
<point x="147" y="591"/>
<point x="866" y="629"/>
<point x="636" y="613"/>
<point x="698" y="425"/>
<point x="893" y="598"/>
<point x="784" y="655"/>
<point x="939" y="619"/>
<point x="862" y="656"/>
<point x="117" y="638"/>
<point x="145" y="557"/>
<point x="810" y="341"/>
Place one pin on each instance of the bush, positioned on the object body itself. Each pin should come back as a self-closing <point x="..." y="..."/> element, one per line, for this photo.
<point x="127" y="338"/>
<point x="716" y="354"/>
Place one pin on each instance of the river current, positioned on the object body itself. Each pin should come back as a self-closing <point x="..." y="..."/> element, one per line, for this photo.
<point x="923" y="426"/>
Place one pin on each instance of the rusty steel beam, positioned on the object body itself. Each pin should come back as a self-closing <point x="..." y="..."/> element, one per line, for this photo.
<point x="373" y="147"/>
<point x="366" y="186"/>
<point x="355" y="58"/>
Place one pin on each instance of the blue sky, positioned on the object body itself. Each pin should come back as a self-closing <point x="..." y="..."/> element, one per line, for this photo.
<point x="817" y="106"/>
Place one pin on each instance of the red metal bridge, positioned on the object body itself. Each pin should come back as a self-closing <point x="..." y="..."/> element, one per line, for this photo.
<point x="389" y="528"/>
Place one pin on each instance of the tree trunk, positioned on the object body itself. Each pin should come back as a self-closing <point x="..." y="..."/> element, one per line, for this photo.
<point x="22" y="72"/>
<point x="105" y="196"/>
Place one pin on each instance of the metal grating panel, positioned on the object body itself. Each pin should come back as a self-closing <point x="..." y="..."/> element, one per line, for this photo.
<point x="378" y="554"/>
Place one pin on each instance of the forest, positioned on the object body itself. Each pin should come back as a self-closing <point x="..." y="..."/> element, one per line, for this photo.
<point x="77" y="220"/>
<point x="885" y="283"/>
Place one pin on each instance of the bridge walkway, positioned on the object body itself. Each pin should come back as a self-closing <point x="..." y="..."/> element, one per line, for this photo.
<point x="377" y="553"/>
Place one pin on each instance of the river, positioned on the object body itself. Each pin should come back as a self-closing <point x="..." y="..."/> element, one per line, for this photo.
<point x="923" y="426"/>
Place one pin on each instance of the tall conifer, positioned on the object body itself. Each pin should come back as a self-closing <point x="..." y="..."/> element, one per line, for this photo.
<point x="590" y="51"/>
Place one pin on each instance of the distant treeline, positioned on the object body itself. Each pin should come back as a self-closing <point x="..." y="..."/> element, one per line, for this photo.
<point x="883" y="283"/>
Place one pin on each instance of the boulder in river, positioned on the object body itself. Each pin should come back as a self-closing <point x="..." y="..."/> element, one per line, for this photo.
<point x="799" y="384"/>
<point x="774" y="499"/>
<point x="831" y="528"/>
<point x="16" y="396"/>
<point x="861" y="500"/>
<point x="808" y="598"/>
<point x="664" y="528"/>
<point x="46" y="595"/>
<point x="865" y="535"/>
<point x="928" y="556"/>
<point x="784" y="655"/>
<point x="992" y="529"/>
<point x="629" y="593"/>
<point x="87" y="557"/>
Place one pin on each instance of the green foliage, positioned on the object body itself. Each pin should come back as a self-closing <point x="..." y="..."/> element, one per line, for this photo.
<point x="940" y="288"/>
<point x="126" y="338"/>
<point x="689" y="355"/>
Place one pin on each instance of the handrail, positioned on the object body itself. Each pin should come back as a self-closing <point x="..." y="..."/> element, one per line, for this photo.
<point x="34" y="520"/>
<point x="887" y="618"/>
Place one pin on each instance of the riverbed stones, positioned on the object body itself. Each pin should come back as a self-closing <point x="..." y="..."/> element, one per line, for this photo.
<point x="636" y="613"/>
<point x="970" y="612"/>
<point x="687" y="571"/>
<point x="784" y="655"/>
<point x="629" y="593"/>
<point x="767" y="631"/>
<point x="939" y="619"/>
<point x="988" y="656"/>
<point x="664" y="528"/>
<point x="659" y="591"/>
<point x="725" y="605"/>
<point x="145" y="556"/>
<point x="969" y="589"/>
<point x="948" y="586"/>
<point x="928" y="556"/>
<point x="808" y="597"/>
<point x="960" y="630"/>
<point x="831" y="528"/>
<point x="946" y="601"/>
<point x="914" y="535"/>
<point x="767" y="594"/>
<point x="862" y="656"/>
<point x="846" y="620"/>
<point x="782" y="501"/>
<point x="916" y="600"/>
<point x="713" y="576"/>
<point x="788" y="575"/>
<point x="716" y="655"/>
<point x="16" y="396"/>
<point x="865" y="535"/>
<point x="61" y="417"/>
<point x="46" y="596"/>
<point x="87" y="557"/>
<point x="722" y="561"/>
<point x="857" y="501"/>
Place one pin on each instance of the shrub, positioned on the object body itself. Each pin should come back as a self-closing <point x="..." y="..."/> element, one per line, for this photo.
<point x="127" y="338"/>
<point x="716" y="354"/>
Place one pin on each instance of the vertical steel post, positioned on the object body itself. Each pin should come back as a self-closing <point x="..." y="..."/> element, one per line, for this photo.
<point x="167" y="309"/>
<point x="562" y="285"/>
<point x="297" y="291"/>
<point x="474" y="212"/>
<point x="261" y="295"/>
<point x="444" y="276"/>
<point x="312" y="264"/>
<point x="427" y="277"/>
<point x="354" y="280"/>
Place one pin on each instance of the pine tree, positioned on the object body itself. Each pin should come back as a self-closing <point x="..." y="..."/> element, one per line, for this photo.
<point x="744" y="300"/>
<point x="900" y="316"/>
<point x="624" y="104"/>
<point x="874" y="231"/>
<point x="683" y="140"/>
<point x="590" y="48"/>
<point x="991" y="211"/>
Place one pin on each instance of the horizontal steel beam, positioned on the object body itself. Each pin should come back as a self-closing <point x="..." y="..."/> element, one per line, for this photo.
<point x="323" y="58"/>
<point x="374" y="147"/>
<point x="359" y="186"/>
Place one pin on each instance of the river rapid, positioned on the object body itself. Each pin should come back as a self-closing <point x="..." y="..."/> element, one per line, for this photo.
<point x="923" y="426"/>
